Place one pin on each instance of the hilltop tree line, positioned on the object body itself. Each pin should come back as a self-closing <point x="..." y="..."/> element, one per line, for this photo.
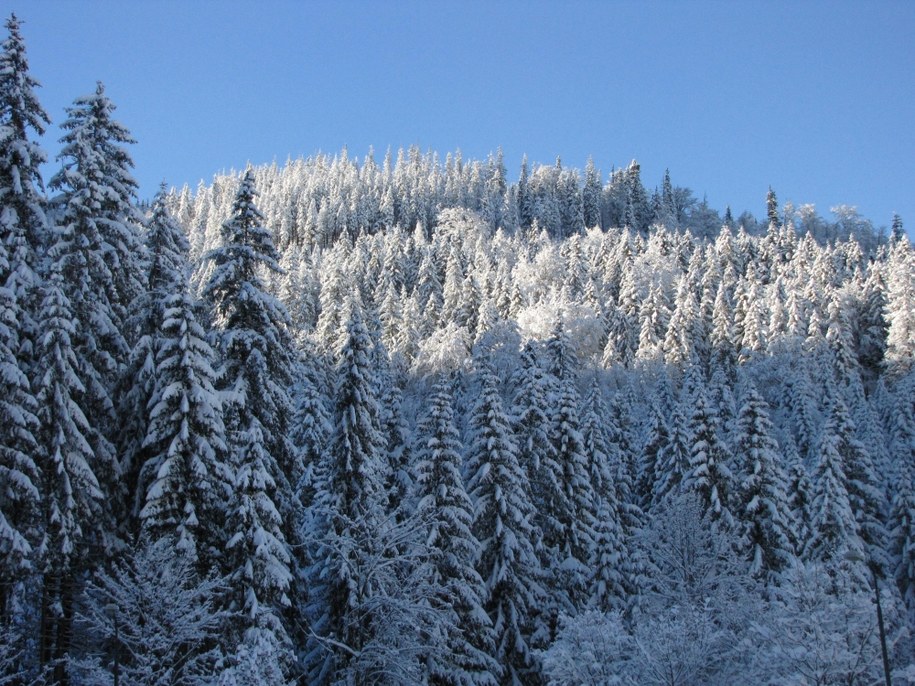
<point x="343" y="424"/>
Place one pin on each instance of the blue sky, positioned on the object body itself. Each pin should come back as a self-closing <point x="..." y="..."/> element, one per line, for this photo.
<point x="816" y="99"/>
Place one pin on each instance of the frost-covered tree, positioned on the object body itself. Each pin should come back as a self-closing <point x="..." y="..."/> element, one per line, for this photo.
<point x="765" y="521"/>
<point x="833" y="531"/>
<point x="98" y="199"/>
<point x="349" y="507"/>
<point x="573" y="508"/>
<point x="20" y="498"/>
<point x="71" y="499"/>
<point x="536" y="453"/>
<point x="710" y="472"/>
<point x="152" y="620"/>
<point x="446" y="512"/>
<point x="97" y="249"/>
<point x="900" y="315"/>
<point x="166" y="274"/>
<point x="23" y="222"/>
<point x="502" y="523"/>
<point x="256" y="370"/>
<point x="186" y="478"/>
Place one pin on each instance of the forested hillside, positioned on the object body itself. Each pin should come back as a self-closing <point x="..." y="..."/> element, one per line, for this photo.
<point x="416" y="423"/>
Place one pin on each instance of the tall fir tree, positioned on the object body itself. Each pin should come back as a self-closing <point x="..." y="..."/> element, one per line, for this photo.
<point x="766" y="527"/>
<point x="97" y="249"/>
<point x="252" y="337"/>
<point x="20" y="498"/>
<point x="23" y="220"/>
<point x="502" y="523"/>
<point x="185" y="479"/>
<point x="167" y="273"/>
<point x="445" y="511"/>
<point x="349" y="508"/>
<point x="710" y="463"/>
<point x="71" y="496"/>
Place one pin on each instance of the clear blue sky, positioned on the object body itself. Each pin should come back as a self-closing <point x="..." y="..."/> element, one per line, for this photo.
<point x="815" y="98"/>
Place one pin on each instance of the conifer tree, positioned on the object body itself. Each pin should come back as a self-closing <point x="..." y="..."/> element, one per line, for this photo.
<point x="574" y="508"/>
<point x="311" y="427"/>
<point x="766" y="524"/>
<point x="900" y="340"/>
<point x="657" y="439"/>
<point x="506" y="560"/>
<point x="902" y="522"/>
<point x="350" y="503"/>
<point x="19" y="476"/>
<point x="833" y="531"/>
<point x="97" y="250"/>
<point x="596" y="441"/>
<point x="99" y="197"/>
<point x="22" y="231"/>
<point x="610" y="589"/>
<point x="445" y="511"/>
<point x="71" y="497"/>
<point x="166" y="275"/>
<point x="530" y="425"/>
<point x="710" y="471"/>
<point x="672" y="464"/>
<point x="23" y="222"/>
<point x="772" y="209"/>
<point x="590" y="197"/>
<point x="187" y="479"/>
<point x="256" y="371"/>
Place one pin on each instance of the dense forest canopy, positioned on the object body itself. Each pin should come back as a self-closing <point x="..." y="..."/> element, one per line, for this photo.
<point x="413" y="423"/>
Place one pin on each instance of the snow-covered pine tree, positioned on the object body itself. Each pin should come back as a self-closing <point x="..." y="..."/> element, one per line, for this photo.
<point x="166" y="274"/>
<point x="71" y="498"/>
<point x="833" y="531"/>
<point x="23" y="223"/>
<point x="766" y="526"/>
<point x="902" y="538"/>
<point x="900" y="315"/>
<point x="867" y="499"/>
<point x="536" y="453"/>
<point x="99" y="254"/>
<point x="311" y="425"/>
<point x="710" y="463"/>
<point x="252" y="337"/>
<point x="349" y="507"/>
<point x="445" y="511"/>
<point x="185" y="479"/>
<point x="596" y="441"/>
<point x="98" y="195"/>
<point x="20" y="520"/>
<point x="573" y="508"/>
<point x="672" y="463"/>
<point x="657" y="438"/>
<point x="502" y="523"/>
<point x="22" y="231"/>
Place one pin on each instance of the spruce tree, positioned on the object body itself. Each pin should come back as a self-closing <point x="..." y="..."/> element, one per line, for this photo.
<point x="20" y="523"/>
<point x="710" y="470"/>
<point x="23" y="222"/>
<point x="767" y="531"/>
<point x="506" y="560"/>
<point x="71" y="497"/>
<point x="256" y="371"/>
<point x="349" y="509"/>
<point x="167" y="273"/>
<point x="97" y="250"/>
<point x="445" y="511"/>
<point x="185" y="479"/>
<point x="833" y="531"/>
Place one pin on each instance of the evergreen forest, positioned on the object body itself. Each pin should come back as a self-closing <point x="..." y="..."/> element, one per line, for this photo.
<point x="349" y="422"/>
